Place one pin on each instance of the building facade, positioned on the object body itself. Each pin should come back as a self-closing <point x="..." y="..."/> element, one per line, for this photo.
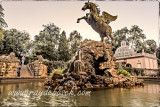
<point x="146" y="61"/>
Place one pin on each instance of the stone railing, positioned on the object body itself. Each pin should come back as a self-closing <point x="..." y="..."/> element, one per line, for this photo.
<point x="152" y="72"/>
<point x="30" y="69"/>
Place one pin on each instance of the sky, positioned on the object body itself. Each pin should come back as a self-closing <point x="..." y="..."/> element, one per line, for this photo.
<point x="31" y="15"/>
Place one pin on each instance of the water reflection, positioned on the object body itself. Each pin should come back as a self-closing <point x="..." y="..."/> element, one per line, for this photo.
<point x="139" y="96"/>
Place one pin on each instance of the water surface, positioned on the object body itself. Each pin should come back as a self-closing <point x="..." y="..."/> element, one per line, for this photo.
<point x="149" y="95"/>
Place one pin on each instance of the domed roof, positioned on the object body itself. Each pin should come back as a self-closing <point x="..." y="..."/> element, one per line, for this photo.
<point x="124" y="51"/>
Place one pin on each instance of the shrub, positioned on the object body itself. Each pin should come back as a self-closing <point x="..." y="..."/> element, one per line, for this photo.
<point x="52" y="65"/>
<point x="122" y="71"/>
<point x="135" y="71"/>
<point x="1" y="73"/>
<point x="56" y="70"/>
<point x="142" y="73"/>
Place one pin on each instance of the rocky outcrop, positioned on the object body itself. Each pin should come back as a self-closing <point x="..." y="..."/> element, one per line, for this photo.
<point x="9" y="65"/>
<point x="93" y="66"/>
<point x="93" y="57"/>
<point x="38" y="68"/>
<point x="10" y="58"/>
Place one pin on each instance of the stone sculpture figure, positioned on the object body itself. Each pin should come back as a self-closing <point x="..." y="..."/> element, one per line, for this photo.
<point x="99" y="23"/>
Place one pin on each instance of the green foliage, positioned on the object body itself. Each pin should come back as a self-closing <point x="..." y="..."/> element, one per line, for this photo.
<point x="55" y="46"/>
<point x="15" y="41"/>
<point x="55" y="65"/>
<point x="75" y="40"/>
<point x="122" y="71"/>
<point x="50" y="43"/>
<point x="1" y="34"/>
<point x="158" y="54"/>
<point x="1" y="39"/>
<point x="119" y="36"/>
<point x="56" y="71"/>
<point x="46" y="42"/>
<point x="142" y="72"/>
<point x="1" y="73"/>
<point x="150" y="46"/>
<point x="2" y="21"/>
<point x="63" y="48"/>
<point x="135" y="71"/>
<point x="27" y="60"/>
<point x="135" y="38"/>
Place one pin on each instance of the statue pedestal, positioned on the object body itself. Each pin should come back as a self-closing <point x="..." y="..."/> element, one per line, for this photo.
<point x="93" y="66"/>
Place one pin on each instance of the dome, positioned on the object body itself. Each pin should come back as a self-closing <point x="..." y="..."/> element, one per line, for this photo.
<point x="124" y="51"/>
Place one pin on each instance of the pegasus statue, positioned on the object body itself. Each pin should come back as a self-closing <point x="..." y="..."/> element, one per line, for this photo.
<point x="99" y="23"/>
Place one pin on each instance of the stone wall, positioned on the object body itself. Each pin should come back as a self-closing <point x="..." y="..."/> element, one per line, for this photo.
<point x="9" y="65"/>
<point x="152" y="72"/>
<point x="38" y="68"/>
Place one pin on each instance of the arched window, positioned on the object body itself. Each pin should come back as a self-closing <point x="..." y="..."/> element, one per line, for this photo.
<point x="128" y="65"/>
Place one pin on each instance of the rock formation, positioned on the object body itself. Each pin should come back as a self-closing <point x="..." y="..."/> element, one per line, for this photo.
<point x="9" y="65"/>
<point x="38" y="68"/>
<point x="93" y="66"/>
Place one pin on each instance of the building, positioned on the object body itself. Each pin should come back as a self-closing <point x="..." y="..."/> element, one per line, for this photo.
<point x="146" y="61"/>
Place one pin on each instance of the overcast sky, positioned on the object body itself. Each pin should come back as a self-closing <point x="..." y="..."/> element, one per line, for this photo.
<point x="31" y="15"/>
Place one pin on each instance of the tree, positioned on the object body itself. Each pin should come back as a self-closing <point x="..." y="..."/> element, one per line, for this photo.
<point x="15" y="41"/>
<point x="150" y="46"/>
<point x="46" y="43"/>
<point x="63" y="47"/>
<point x="136" y="38"/>
<point x="74" y="41"/>
<point x="133" y="37"/>
<point x="119" y="36"/>
<point x="1" y="39"/>
<point x="158" y="52"/>
<point x="2" y="25"/>
<point x="2" y="21"/>
<point x="158" y="55"/>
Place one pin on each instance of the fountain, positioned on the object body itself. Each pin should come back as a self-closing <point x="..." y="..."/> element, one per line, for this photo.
<point x="93" y="66"/>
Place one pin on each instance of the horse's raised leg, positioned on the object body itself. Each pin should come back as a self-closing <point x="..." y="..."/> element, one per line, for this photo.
<point x="78" y="20"/>
<point x="102" y="37"/>
<point x="87" y="14"/>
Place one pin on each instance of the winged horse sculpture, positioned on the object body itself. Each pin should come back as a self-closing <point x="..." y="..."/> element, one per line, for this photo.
<point x="99" y="23"/>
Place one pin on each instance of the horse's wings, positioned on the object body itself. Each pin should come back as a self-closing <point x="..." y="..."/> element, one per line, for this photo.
<point x="107" y="18"/>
